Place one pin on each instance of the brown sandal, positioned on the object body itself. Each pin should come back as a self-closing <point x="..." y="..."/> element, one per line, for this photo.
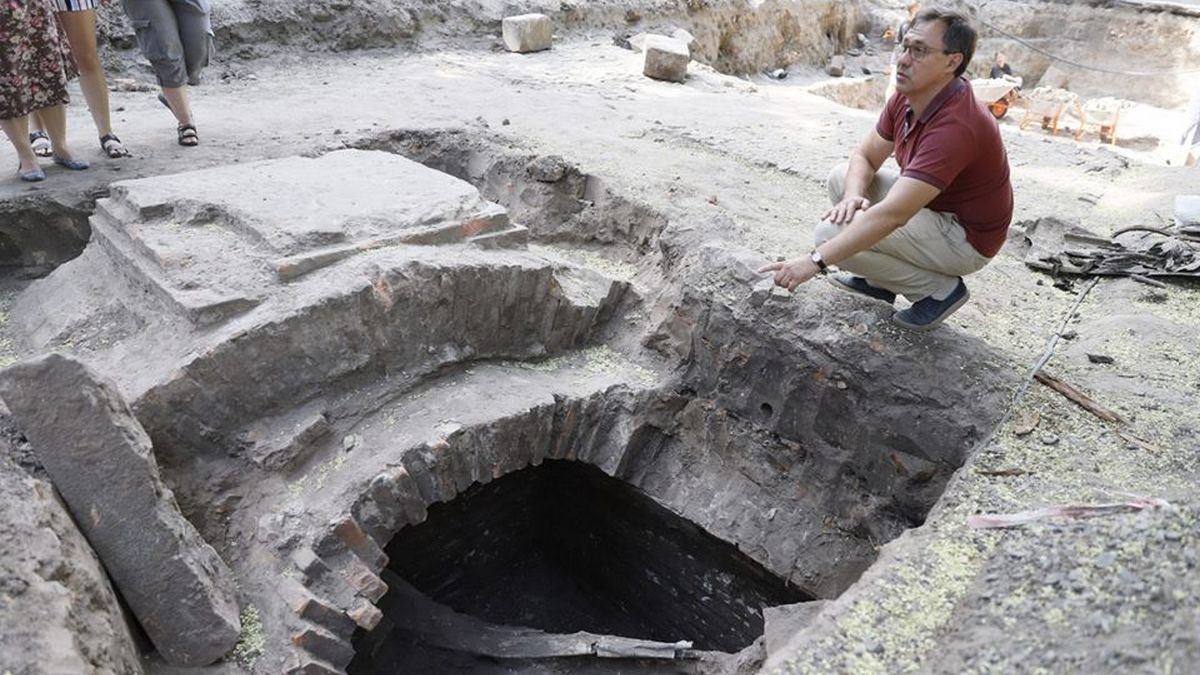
<point x="188" y="136"/>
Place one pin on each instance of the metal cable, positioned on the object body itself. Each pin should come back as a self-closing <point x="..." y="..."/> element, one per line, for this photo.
<point x="1046" y="355"/>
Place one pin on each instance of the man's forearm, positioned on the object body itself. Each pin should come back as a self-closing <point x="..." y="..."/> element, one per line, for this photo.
<point x="858" y="176"/>
<point x="866" y="230"/>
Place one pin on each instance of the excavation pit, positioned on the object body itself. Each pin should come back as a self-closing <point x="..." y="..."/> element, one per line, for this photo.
<point x="563" y="547"/>
<point x="457" y="341"/>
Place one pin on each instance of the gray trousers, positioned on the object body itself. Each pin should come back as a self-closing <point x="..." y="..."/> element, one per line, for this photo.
<point x="915" y="260"/>
<point x="175" y="36"/>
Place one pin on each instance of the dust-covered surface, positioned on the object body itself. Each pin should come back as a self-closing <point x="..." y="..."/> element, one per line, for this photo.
<point x="697" y="182"/>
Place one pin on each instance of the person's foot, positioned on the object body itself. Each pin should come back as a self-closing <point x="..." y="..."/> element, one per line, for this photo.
<point x="31" y="175"/>
<point x="860" y="285"/>
<point x="70" y="163"/>
<point x="112" y="146"/>
<point x="926" y="314"/>
<point x="188" y="136"/>
<point x="40" y="143"/>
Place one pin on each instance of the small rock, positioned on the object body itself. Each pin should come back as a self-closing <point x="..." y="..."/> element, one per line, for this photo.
<point x="777" y="74"/>
<point x="1099" y="358"/>
<point x="1069" y="335"/>
<point x="1049" y="439"/>
<point x="1026" y="421"/>
<point x="350" y="442"/>
<point x="837" y="66"/>
<point x="547" y="169"/>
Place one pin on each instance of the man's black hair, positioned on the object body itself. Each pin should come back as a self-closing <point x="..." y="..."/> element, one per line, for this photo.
<point x="960" y="36"/>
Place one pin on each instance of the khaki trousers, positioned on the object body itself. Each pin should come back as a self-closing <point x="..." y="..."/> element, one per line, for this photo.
<point x="923" y="256"/>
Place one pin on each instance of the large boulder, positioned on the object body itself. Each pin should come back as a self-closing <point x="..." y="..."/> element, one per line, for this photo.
<point x="100" y="460"/>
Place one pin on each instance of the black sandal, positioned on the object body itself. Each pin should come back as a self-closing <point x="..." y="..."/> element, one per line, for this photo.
<point x="112" y="146"/>
<point x="188" y="136"/>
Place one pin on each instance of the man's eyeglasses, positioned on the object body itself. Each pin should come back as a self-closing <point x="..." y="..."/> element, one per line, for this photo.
<point x="919" y="52"/>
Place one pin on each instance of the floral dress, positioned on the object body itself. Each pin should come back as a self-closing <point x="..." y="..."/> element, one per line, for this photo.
<point x="31" y="58"/>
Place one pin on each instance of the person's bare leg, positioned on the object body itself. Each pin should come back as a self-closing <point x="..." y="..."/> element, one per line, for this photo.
<point x="55" y="119"/>
<point x="81" y="34"/>
<point x="17" y="130"/>
<point x="178" y="98"/>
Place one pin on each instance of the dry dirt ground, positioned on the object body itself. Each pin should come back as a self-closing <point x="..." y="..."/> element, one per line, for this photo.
<point x="1117" y="594"/>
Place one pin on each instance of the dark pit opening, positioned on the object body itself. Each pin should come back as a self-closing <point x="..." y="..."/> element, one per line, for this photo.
<point x="38" y="235"/>
<point x="563" y="547"/>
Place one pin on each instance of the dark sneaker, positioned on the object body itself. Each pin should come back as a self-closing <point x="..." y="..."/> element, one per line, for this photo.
<point x="928" y="313"/>
<point x="859" y="285"/>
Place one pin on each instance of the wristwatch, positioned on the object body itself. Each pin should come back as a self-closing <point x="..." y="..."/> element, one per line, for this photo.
<point x="815" y="256"/>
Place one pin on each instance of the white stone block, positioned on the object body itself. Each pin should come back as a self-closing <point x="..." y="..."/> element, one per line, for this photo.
<point x="527" y="32"/>
<point x="665" y="59"/>
<point x="686" y="38"/>
<point x="1187" y="209"/>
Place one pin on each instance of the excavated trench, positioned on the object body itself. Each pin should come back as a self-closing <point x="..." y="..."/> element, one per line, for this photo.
<point x="517" y="484"/>
<point x="675" y="551"/>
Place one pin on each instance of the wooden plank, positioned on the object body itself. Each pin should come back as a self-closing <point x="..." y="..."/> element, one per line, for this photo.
<point x="1078" y="397"/>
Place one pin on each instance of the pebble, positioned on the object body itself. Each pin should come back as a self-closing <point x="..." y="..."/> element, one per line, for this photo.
<point x="1049" y="439"/>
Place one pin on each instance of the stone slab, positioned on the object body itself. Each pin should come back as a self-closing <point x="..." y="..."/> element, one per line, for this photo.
<point x="215" y="243"/>
<point x="275" y="443"/>
<point x="58" y="612"/>
<point x="527" y="33"/>
<point x="665" y="59"/>
<point x="101" y="461"/>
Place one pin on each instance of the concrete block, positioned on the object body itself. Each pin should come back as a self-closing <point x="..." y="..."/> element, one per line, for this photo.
<point x="527" y="32"/>
<point x="665" y="59"/>
<point x="101" y="461"/>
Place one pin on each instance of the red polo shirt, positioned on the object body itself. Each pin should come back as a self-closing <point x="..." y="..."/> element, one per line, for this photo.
<point x="955" y="146"/>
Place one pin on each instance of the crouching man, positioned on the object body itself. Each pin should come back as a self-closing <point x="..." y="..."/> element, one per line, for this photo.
<point x="945" y="214"/>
